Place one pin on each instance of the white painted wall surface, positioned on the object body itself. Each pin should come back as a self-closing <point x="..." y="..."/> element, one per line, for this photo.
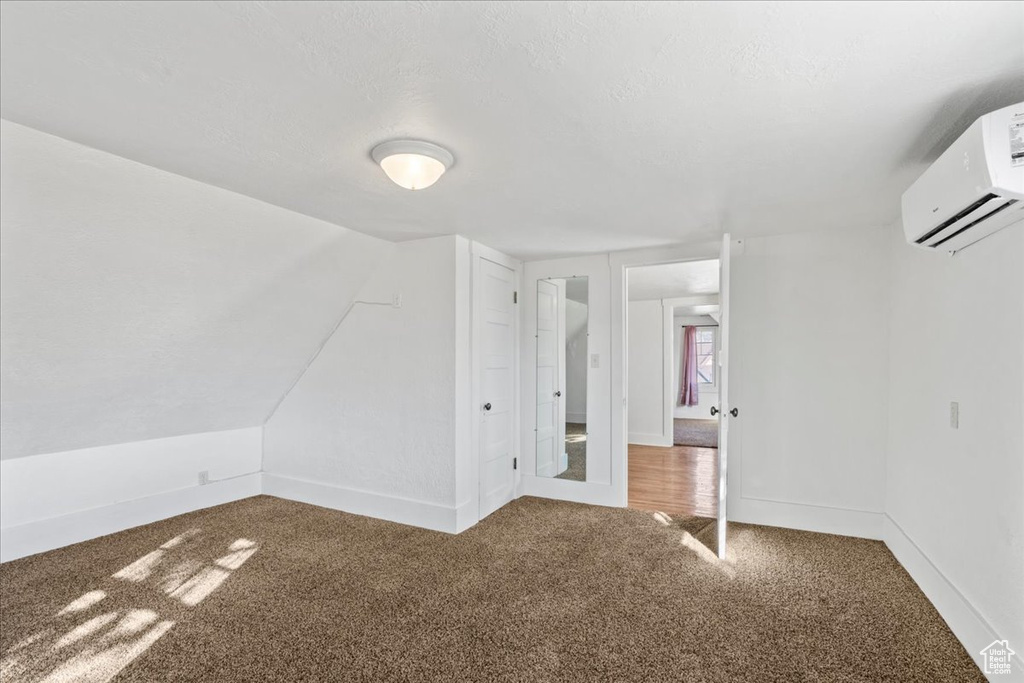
<point x="467" y="410"/>
<point x="576" y="361"/>
<point x="648" y="374"/>
<point x="51" y="500"/>
<point x="138" y="304"/>
<point x="810" y="362"/>
<point x="958" y="494"/>
<point x="375" y="412"/>
<point x="707" y="395"/>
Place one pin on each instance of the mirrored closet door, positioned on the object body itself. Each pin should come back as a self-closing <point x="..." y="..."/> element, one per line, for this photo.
<point x="562" y="367"/>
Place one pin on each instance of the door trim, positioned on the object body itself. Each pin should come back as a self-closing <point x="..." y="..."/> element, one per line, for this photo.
<point x="619" y="262"/>
<point x="724" y="399"/>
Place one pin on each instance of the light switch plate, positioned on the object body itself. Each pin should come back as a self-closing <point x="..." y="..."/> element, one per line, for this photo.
<point x="954" y="415"/>
<point x="595" y="360"/>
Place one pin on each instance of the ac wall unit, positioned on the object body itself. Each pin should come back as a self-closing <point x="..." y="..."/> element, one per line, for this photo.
<point x="974" y="189"/>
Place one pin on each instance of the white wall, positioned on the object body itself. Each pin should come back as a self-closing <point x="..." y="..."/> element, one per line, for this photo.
<point x="138" y="304"/>
<point x="707" y="395"/>
<point x="648" y="374"/>
<point x="576" y="361"/>
<point x="371" y="425"/>
<point x="467" y="408"/>
<point x="956" y="496"/>
<point x="52" y="500"/>
<point x="810" y="361"/>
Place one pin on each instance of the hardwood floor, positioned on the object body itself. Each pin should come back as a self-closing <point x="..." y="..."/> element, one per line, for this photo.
<point x="681" y="480"/>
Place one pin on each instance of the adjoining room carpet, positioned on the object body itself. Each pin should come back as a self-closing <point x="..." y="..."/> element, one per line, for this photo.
<point x="576" y="447"/>
<point x="271" y="590"/>
<point x="702" y="433"/>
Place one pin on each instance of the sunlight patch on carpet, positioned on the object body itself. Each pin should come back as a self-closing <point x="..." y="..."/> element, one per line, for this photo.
<point x="80" y="645"/>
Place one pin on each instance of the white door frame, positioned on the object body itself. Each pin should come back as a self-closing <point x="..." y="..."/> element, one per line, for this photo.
<point x="480" y="251"/>
<point x="619" y="262"/>
<point x="724" y="404"/>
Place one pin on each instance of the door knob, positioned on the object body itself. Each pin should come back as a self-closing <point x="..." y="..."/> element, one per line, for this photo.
<point x="558" y="394"/>
<point x="714" y="411"/>
<point x="735" y="412"/>
<point x="487" y="406"/>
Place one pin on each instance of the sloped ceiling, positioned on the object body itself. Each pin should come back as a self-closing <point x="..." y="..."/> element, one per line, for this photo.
<point x="576" y="127"/>
<point x="138" y="304"/>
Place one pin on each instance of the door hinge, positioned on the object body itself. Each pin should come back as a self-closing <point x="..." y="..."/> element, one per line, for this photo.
<point x="515" y="297"/>
<point x="515" y="463"/>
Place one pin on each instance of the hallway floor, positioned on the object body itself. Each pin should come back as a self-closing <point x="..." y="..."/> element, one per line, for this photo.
<point x="681" y="480"/>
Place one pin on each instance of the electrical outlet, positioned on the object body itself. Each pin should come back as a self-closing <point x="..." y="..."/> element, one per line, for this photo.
<point x="595" y="360"/>
<point x="396" y="300"/>
<point x="954" y="415"/>
<point x="204" y="478"/>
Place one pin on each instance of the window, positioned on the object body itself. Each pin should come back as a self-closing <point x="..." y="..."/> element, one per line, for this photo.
<point x="706" y="360"/>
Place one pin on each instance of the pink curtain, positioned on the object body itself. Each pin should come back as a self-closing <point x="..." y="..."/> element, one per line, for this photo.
<point x="688" y="382"/>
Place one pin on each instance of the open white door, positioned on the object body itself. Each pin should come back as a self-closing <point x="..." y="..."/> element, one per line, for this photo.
<point x="548" y="379"/>
<point x="727" y="412"/>
<point x="560" y="391"/>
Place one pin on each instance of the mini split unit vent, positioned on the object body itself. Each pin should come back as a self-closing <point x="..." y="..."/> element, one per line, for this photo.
<point x="974" y="189"/>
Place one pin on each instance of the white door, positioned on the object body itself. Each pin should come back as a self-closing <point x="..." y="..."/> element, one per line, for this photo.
<point x="723" y="396"/>
<point x="496" y="339"/>
<point x="549" y="372"/>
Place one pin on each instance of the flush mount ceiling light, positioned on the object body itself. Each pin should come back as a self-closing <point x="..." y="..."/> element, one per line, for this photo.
<point x="413" y="164"/>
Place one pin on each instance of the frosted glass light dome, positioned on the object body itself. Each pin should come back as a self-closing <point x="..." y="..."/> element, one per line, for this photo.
<point x="412" y="164"/>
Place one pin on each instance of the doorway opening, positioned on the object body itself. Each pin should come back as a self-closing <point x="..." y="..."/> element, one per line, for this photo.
<point x="673" y="380"/>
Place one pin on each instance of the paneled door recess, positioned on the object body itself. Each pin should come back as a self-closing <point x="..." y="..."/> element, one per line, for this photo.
<point x="497" y="372"/>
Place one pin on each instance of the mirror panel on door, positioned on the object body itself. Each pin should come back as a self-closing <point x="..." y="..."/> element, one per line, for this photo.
<point x="562" y="368"/>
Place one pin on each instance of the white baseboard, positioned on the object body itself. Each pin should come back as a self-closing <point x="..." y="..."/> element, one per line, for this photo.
<point x="57" y="532"/>
<point x="572" y="491"/>
<point x="650" y="440"/>
<point x="825" y="520"/>
<point x="967" y="624"/>
<point x="466" y="515"/>
<point x="393" y="509"/>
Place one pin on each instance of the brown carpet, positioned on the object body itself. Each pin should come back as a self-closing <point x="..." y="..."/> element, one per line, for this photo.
<point x="703" y="433"/>
<point x="270" y="590"/>
<point x="576" y="448"/>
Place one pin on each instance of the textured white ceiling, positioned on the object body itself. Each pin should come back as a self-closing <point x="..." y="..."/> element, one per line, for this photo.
<point x="577" y="127"/>
<point x="670" y="280"/>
